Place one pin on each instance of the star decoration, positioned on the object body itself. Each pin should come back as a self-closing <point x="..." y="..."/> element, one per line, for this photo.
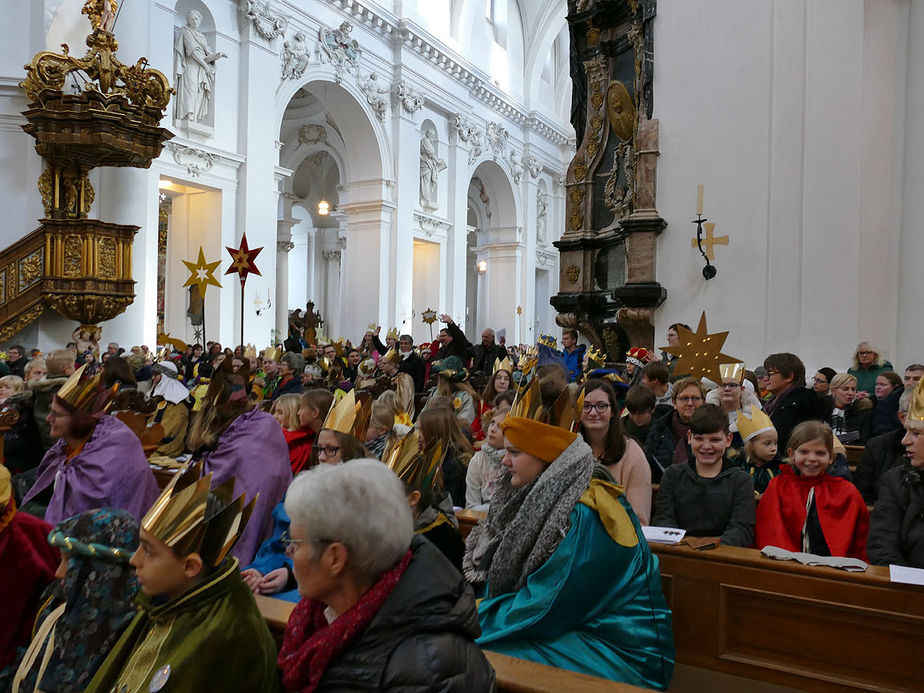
<point x="243" y="260"/>
<point x="429" y="316"/>
<point x="700" y="352"/>
<point x="202" y="273"/>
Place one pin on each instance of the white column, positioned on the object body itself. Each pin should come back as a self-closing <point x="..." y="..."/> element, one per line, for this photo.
<point x="456" y="262"/>
<point x="311" y="266"/>
<point x="283" y="246"/>
<point x="331" y="316"/>
<point x="503" y="282"/>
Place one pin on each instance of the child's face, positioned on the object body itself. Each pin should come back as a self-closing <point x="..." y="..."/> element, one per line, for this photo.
<point x="811" y="458"/>
<point x="708" y="448"/>
<point x="279" y="415"/>
<point x="764" y="446"/>
<point x="160" y="571"/>
<point x="642" y="419"/>
<point x="306" y="414"/>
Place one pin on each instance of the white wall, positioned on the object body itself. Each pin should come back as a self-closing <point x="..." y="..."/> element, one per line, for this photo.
<point x="792" y="115"/>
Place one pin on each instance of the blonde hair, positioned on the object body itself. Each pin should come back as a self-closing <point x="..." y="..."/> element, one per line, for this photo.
<point x="288" y="405"/>
<point x="749" y="445"/>
<point x="806" y="432"/>
<point x="14" y="382"/>
<point x="842" y="379"/>
<point x="58" y="362"/>
<point x="383" y="413"/>
<point x="35" y="363"/>
<point x="868" y="346"/>
<point x="683" y="384"/>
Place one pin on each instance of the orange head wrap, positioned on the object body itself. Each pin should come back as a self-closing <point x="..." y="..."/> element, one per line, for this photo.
<point x="542" y="441"/>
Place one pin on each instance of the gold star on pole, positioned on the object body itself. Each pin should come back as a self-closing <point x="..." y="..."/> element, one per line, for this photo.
<point x="700" y="352"/>
<point x="202" y="273"/>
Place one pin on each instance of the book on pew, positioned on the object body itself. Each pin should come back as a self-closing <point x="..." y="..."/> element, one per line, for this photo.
<point x="663" y="535"/>
<point x="906" y="575"/>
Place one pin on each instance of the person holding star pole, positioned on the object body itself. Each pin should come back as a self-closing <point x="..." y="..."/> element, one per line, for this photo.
<point x="243" y="263"/>
<point x="202" y="274"/>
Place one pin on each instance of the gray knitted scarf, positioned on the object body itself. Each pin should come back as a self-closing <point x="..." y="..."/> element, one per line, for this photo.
<point x="525" y="525"/>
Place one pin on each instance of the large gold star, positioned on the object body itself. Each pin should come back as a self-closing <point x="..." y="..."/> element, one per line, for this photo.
<point x="202" y="273"/>
<point x="700" y="352"/>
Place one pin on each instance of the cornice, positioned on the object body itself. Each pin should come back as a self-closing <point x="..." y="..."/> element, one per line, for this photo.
<point x="478" y="83"/>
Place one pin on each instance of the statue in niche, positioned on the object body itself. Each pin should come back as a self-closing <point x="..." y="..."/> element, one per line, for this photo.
<point x="295" y="54"/>
<point x="430" y="167"/>
<point x="195" y="70"/>
<point x="542" y="204"/>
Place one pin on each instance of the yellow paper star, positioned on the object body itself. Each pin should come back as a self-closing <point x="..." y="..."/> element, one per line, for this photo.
<point x="202" y="273"/>
<point x="700" y="352"/>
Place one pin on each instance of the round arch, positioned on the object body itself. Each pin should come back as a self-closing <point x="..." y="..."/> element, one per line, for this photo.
<point x="506" y="209"/>
<point x="354" y="119"/>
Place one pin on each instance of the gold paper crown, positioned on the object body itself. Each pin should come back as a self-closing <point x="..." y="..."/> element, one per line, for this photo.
<point x="371" y="327"/>
<point x="6" y="488"/>
<point x="503" y="365"/>
<point x="349" y="416"/>
<point x="393" y="334"/>
<point x="548" y="340"/>
<point x="734" y="371"/>
<point x="179" y="519"/>
<point x="338" y="347"/>
<point x="250" y="352"/>
<point x="528" y="405"/>
<point x="595" y="358"/>
<point x="80" y="391"/>
<point x="420" y="470"/>
<point x="392" y="355"/>
<point x="916" y="407"/>
<point x="272" y="353"/>
<point x="753" y="425"/>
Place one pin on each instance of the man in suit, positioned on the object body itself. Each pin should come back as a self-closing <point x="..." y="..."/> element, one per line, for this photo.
<point x="410" y="362"/>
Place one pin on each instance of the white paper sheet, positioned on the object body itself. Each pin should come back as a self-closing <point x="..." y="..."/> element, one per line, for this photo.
<point x="663" y="535"/>
<point x="908" y="576"/>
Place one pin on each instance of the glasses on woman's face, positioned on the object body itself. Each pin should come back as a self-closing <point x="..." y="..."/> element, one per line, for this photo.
<point x="730" y="386"/>
<point x="287" y="541"/>
<point x="328" y="450"/>
<point x="865" y="353"/>
<point x="690" y="400"/>
<point x="819" y="381"/>
<point x="599" y="407"/>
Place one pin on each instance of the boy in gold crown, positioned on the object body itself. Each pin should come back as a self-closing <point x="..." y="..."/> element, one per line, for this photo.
<point x="198" y="627"/>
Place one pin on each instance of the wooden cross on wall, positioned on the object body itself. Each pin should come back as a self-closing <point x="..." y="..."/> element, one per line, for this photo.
<point x="710" y="241"/>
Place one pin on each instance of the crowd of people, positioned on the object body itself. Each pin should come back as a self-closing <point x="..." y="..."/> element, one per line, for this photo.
<point x="329" y="475"/>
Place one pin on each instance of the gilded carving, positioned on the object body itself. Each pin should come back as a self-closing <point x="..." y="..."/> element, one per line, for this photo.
<point x="576" y="217"/>
<point x="31" y="269"/>
<point x="596" y="96"/>
<point x="11" y="328"/>
<point x="87" y="309"/>
<point x="573" y="272"/>
<point x="596" y="126"/>
<point x="72" y="256"/>
<point x="621" y="110"/>
<point x="107" y="258"/>
<point x="46" y="188"/>
<point x="3" y="286"/>
<point x="580" y="169"/>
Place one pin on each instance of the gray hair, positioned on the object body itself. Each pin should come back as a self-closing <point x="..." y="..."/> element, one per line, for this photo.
<point x="294" y="360"/>
<point x="332" y="502"/>
<point x="904" y="402"/>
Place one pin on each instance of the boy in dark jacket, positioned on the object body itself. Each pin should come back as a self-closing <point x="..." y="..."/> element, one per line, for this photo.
<point x="708" y="496"/>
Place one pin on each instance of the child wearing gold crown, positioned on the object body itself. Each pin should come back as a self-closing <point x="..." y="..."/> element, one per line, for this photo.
<point x="760" y="459"/>
<point x="198" y="627"/>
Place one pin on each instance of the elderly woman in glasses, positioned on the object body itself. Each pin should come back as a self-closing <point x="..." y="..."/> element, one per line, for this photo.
<point x="731" y="396"/>
<point x="666" y="443"/>
<point x="868" y="364"/>
<point x="381" y="608"/>
<point x="621" y="455"/>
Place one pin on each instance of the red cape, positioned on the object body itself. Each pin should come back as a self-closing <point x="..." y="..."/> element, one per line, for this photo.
<point x="29" y="566"/>
<point x="300" y="444"/>
<point x="842" y="514"/>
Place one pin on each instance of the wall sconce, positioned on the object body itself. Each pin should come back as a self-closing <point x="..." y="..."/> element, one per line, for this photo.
<point x="323" y="208"/>
<point x="482" y="266"/>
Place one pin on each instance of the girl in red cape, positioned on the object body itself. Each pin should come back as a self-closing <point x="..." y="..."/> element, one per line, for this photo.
<point x="805" y="508"/>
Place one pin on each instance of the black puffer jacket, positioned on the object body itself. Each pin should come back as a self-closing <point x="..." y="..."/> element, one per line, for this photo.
<point x="896" y="529"/>
<point x="660" y="445"/>
<point x="880" y="455"/>
<point x="798" y="405"/>
<point x="422" y="639"/>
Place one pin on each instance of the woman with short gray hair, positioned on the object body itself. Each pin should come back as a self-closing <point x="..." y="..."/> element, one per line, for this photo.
<point x="379" y="604"/>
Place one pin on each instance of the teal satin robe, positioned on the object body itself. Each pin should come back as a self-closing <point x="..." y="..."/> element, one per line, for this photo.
<point x="594" y="607"/>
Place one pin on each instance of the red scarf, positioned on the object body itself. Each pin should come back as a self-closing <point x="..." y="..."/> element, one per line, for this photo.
<point x="310" y="642"/>
<point x="300" y="444"/>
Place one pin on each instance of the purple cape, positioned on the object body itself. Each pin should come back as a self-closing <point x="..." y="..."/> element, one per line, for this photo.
<point x="254" y="451"/>
<point x="110" y="471"/>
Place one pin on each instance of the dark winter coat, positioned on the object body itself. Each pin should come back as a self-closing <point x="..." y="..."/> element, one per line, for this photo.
<point x="293" y="386"/>
<point x="422" y="639"/>
<point x="459" y="346"/>
<point x="896" y="532"/>
<point x="880" y="455"/>
<point x="885" y="413"/>
<point x="414" y="366"/>
<point x="22" y="446"/>
<point x="857" y="424"/>
<point x="722" y="506"/>
<point x="798" y="405"/>
<point x="483" y="357"/>
<point x="660" y="445"/>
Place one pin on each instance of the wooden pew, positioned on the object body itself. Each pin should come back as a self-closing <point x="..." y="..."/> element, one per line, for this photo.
<point x="811" y="628"/>
<point x="513" y="675"/>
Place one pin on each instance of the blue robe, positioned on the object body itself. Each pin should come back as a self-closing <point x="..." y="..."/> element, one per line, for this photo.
<point x="272" y="553"/>
<point x="595" y="607"/>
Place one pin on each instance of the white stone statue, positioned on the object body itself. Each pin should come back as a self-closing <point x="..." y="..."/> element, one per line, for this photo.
<point x="375" y="95"/>
<point x="542" y="205"/>
<point x="195" y="71"/>
<point x="295" y="54"/>
<point x="430" y="167"/>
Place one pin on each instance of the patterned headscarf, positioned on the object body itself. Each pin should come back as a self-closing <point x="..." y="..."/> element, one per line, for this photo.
<point x="99" y="591"/>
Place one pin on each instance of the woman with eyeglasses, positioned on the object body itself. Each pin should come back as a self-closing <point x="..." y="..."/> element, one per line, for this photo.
<point x="868" y="364"/>
<point x="821" y="383"/>
<point x="731" y="396"/>
<point x="667" y="440"/>
<point x="622" y="456"/>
